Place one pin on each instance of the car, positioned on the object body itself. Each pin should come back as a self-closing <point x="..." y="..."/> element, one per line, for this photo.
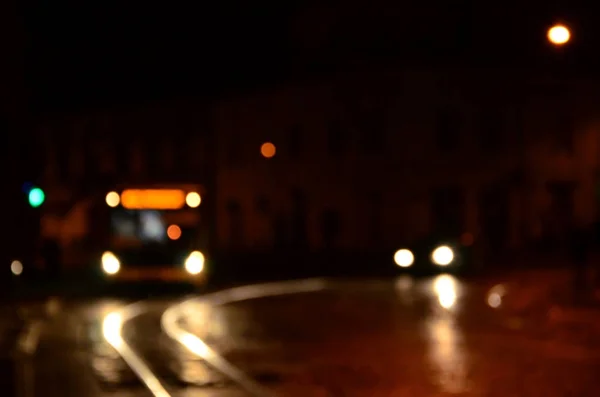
<point x="436" y="254"/>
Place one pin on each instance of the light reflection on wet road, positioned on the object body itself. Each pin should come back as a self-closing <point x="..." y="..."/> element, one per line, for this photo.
<point x="372" y="338"/>
<point x="435" y="337"/>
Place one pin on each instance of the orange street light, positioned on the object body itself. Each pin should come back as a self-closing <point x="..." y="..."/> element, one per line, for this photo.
<point x="267" y="150"/>
<point x="559" y="35"/>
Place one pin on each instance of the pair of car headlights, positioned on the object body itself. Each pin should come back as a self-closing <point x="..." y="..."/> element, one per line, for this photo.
<point x="194" y="263"/>
<point x="440" y="256"/>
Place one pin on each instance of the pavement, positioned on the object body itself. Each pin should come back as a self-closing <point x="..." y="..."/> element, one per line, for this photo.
<point x="433" y="337"/>
<point x="550" y="292"/>
<point x="438" y="336"/>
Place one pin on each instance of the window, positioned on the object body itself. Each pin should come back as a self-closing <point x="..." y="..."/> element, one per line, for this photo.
<point x="298" y="228"/>
<point x="123" y="146"/>
<point x="137" y="157"/>
<point x="77" y="157"/>
<point x="180" y="149"/>
<point x="447" y="130"/>
<point x="335" y="138"/>
<point x="153" y="157"/>
<point x="233" y="206"/>
<point x="330" y="227"/>
<point x="234" y="150"/>
<point x="298" y="200"/>
<point x="563" y="204"/>
<point x="560" y="216"/>
<point x="494" y="219"/>
<point x="372" y="131"/>
<point x="520" y="126"/>
<point x="62" y="157"/>
<point x="263" y="206"/>
<point x="295" y="141"/>
<point x="91" y="159"/>
<point x="490" y="128"/>
<point x="103" y="156"/>
<point x="168" y="154"/>
<point x="446" y="87"/>
<point x="449" y="86"/>
<point x="375" y="212"/>
<point x="236" y="236"/>
<point x="564" y="131"/>
<point x="448" y="210"/>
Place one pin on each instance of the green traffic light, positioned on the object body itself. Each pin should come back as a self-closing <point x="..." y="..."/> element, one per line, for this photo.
<point x="36" y="197"/>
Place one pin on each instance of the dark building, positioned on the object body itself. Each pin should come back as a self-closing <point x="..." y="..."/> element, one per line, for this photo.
<point x="19" y="160"/>
<point x="92" y="153"/>
<point x="398" y="153"/>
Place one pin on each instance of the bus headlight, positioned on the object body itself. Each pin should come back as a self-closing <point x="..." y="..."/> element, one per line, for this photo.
<point x="194" y="264"/>
<point x="16" y="267"/>
<point x="110" y="263"/>
<point x="442" y="255"/>
<point x="404" y="258"/>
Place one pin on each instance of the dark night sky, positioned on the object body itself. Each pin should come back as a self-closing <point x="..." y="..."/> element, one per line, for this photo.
<point x="88" y="53"/>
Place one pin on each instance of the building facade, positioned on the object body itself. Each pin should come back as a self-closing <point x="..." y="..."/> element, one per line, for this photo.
<point x="364" y="161"/>
<point x="17" y="150"/>
<point x="89" y="154"/>
<point x="370" y="160"/>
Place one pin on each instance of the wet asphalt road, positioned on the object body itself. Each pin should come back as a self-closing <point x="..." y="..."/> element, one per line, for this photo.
<point x="435" y="337"/>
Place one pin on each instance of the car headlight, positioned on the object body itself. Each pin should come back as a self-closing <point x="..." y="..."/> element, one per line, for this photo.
<point x="442" y="255"/>
<point x="110" y="263"/>
<point x="404" y="258"/>
<point x="194" y="264"/>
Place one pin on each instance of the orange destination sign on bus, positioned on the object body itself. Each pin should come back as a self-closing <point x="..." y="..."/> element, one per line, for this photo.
<point x="153" y="199"/>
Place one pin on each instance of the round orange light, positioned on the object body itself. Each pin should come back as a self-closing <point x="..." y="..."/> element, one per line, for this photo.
<point x="174" y="232"/>
<point x="268" y="150"/>
<point x="559" y="35"/>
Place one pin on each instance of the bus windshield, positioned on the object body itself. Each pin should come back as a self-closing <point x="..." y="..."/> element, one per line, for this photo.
<point x="142" y="228"/>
